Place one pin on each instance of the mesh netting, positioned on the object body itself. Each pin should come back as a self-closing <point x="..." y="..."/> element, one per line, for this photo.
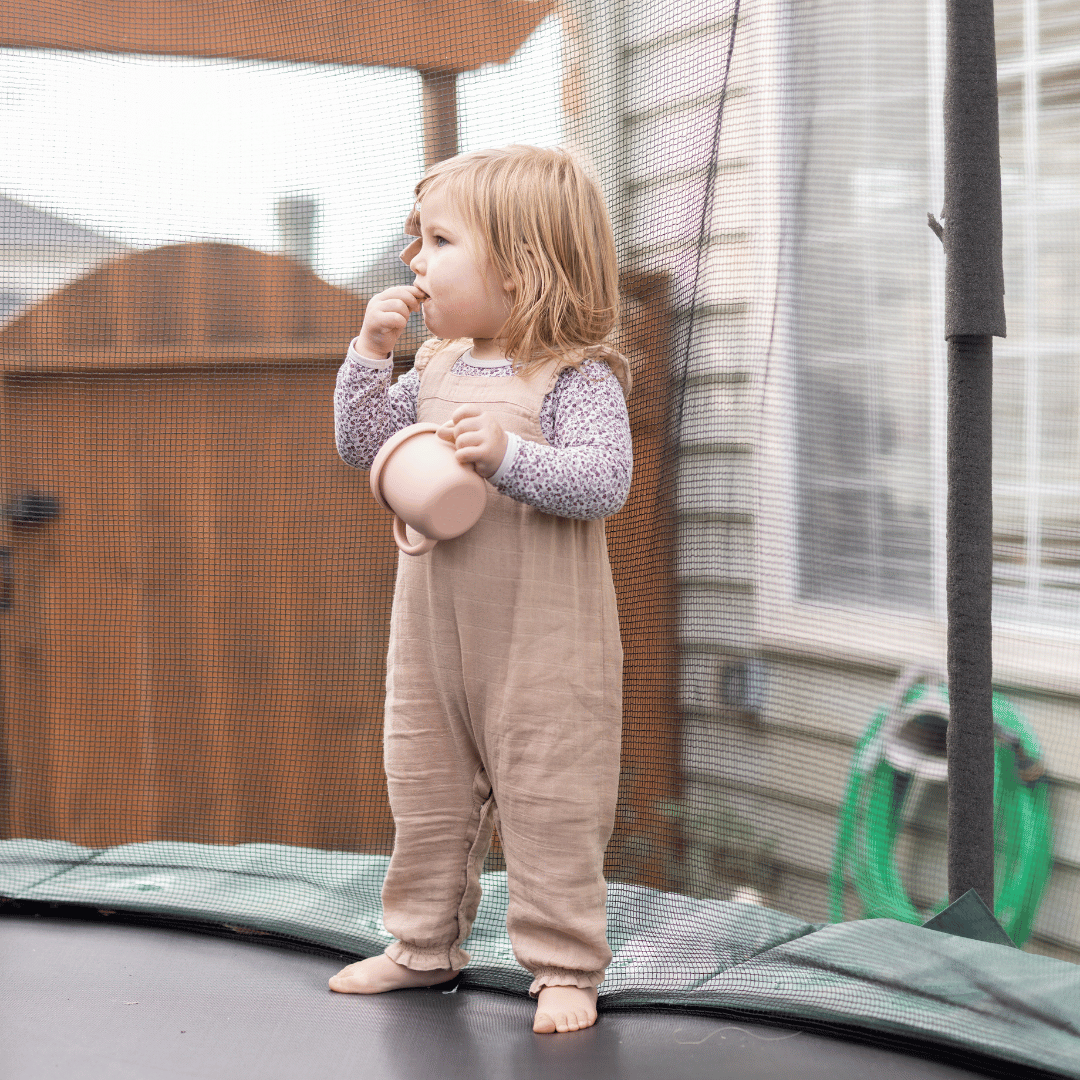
<point x="197" y="589"/>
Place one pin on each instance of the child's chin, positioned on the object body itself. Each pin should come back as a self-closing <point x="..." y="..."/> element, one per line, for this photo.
<point x="435" y="327"/>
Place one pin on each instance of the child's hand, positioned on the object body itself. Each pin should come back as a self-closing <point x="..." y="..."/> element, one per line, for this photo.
<point x="385" y="318"/>
<point x="477" y="437"/>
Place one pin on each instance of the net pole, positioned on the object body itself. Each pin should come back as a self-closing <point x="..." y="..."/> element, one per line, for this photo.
<point x="974" y="314"/>
<point x="968" y="587"/>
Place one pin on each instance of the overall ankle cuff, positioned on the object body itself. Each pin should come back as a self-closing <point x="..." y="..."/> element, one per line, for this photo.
<point x="427" y="958"/>
<point x="583" y="980"/>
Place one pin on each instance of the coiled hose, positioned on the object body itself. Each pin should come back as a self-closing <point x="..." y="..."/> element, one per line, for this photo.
<point x="873" y="813"/>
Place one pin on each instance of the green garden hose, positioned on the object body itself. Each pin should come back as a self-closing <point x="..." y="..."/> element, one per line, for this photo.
<point x="872" y="815"/>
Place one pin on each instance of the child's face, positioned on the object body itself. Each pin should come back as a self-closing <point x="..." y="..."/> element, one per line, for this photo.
<point x="465" y="298"/>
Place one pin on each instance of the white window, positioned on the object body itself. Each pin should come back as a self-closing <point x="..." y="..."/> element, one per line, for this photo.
<point x="1037" y="392"/>
<point x="864" y="334"/>
<point x="851" y="456"/>
<point x="859" y="318"/>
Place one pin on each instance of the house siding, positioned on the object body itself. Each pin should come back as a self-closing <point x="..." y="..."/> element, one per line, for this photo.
<point x="769" y="774"/>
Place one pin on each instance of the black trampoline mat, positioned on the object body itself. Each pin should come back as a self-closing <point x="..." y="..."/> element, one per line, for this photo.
<point x="85" y="1001"/>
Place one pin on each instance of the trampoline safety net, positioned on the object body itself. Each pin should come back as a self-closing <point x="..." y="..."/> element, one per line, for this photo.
<point x="196" y="205"/>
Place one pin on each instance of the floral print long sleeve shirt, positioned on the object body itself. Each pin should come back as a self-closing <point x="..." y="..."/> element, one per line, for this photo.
<point x="584" y="472"/>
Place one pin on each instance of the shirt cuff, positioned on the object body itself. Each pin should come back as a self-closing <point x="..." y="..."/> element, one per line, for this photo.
<point x="512" y="443"/>
<point x="378" y="365"/>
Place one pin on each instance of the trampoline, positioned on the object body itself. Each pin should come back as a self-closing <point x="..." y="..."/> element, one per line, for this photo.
<point x="822" y="864"/>
<point x="157" y="1001"/>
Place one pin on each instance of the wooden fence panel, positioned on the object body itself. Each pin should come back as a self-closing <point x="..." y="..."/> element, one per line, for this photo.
<point x="196" y="644"/>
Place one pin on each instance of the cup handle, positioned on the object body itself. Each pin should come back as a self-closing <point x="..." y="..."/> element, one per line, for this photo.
<point x="402" y="541"/>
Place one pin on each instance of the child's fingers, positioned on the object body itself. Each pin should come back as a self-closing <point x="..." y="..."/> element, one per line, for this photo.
<point x="462" y="412"/>
<point x="473" y="418"/>
<point x="484" y="455"/>
<point x="454" y="432"/>
<point x="386" y="316"/>
<point x="398" y="307"/>
<point x="401" y="305"/>
<point x="472" y="438"/>
<point x="478" y="438"/>
<point x="409" y="296"/>
<point x="411" y="293"/>
<point x="471" y="455"/>
<point x="469" y="423"/>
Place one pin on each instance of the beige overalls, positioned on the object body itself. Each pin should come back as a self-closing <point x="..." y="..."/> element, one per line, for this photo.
<point x="503" y="701"/>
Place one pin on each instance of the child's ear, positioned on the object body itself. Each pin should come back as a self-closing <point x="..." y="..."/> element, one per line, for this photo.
<point x="412" y="228"/>
<point x="508" y="284"/>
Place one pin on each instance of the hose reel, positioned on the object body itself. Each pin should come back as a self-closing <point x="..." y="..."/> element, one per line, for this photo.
<point x="906" y="742"/>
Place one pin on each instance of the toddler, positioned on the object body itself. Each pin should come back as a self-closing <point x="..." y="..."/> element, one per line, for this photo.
<point x="504" y="672"/>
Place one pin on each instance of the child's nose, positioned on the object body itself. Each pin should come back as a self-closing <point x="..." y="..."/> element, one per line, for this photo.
<point x="410" y="253"/>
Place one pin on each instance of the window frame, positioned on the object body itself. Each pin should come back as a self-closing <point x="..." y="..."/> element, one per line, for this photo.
<point x="1027" y="654"/>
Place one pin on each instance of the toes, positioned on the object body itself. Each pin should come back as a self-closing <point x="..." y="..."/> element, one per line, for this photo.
<point x="344" y="983"/>
<point x="576" y="1021"/>
<point x="565" y="1015"/>
<point x="580" y="1020"/>
<point x="341" y="982"/>
<point x="543" y="1024"/>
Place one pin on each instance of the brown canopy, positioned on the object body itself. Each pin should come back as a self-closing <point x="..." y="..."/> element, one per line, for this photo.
<point x="429" y="35"/>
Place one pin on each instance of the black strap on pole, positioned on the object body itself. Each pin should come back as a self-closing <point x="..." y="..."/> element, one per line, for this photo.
<point x="974" y="314"/>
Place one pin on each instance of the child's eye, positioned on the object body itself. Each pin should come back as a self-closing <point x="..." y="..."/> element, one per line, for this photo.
<point x="440" y="240"/>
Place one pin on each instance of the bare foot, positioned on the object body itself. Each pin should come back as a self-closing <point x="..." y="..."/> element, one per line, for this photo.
<point x="564" y="1008"/>
<point x="377" y="974"/>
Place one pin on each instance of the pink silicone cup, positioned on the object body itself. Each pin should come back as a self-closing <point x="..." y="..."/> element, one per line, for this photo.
<point x="387" y="448"/>
<point x="424" y="486"/>
<point x="425" y="544"/>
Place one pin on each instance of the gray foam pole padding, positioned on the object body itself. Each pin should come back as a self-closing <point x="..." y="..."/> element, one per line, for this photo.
<point x="974" y="312"/>
<point x="974" y="279"/>
<point x="968" y="587"/>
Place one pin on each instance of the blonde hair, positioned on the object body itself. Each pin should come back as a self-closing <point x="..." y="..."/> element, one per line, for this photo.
<point x="542" y="224"/>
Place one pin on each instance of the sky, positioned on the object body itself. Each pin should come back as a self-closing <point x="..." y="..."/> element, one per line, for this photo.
<point x="153" y="150"/>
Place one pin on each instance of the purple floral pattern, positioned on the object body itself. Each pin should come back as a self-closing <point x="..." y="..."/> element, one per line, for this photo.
<point x="585" y="472"/>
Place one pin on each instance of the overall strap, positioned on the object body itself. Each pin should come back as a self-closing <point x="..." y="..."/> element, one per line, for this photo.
<point x="430" y="358"/>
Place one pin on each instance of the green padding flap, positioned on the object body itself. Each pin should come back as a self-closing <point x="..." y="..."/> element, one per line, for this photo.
<point x="662" y="942"/>
<point x="893" y="977"/>
<point x="328" y="897"/>
<point x="877" y="974"/>
<point x="27" y="864"/>
<point x="970" y="917"/>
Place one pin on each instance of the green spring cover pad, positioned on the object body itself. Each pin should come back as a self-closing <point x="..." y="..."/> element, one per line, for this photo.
<point x="670" y="950"/>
